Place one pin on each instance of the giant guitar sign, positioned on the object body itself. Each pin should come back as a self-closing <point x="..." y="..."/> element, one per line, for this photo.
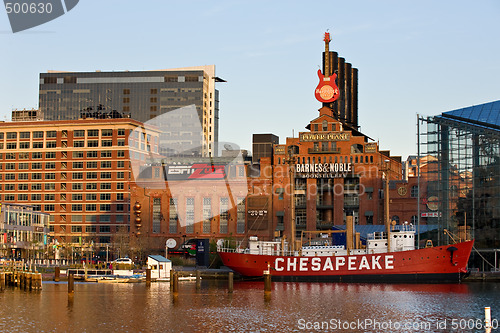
<point x="327" y="91"/>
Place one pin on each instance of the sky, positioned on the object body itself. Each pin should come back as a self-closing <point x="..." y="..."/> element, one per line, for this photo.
<point x="413" y="57"/>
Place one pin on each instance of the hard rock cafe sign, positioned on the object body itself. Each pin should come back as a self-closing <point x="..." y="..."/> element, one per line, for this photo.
<point x="327" y="90"/>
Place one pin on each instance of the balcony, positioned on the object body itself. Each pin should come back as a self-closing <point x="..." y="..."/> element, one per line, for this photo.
<point x="324" y="150"/>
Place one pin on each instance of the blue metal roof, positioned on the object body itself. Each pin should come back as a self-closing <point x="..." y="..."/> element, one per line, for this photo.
<point x="159" y="258"/>
<point x="487" y="114"/>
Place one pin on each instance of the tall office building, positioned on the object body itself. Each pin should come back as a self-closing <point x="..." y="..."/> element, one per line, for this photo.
<point x="142" y="96"/>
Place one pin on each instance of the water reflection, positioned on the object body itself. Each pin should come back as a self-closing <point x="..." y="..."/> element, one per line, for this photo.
<point x="137" y="308"/>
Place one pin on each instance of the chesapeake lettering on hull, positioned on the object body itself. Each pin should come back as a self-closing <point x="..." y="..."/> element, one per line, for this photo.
<point x="324" y="136"/>
<point x="330" y="264"/>
<point x="323" y="170"/>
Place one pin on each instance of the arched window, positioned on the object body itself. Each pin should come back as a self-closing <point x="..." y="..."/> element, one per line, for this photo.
<point x="395" y="218"/>
<point x="414" y="219"/>
<point x="325" y="125"/>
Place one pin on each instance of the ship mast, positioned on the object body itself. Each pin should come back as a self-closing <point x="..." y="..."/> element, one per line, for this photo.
<point x="291" y="170"/>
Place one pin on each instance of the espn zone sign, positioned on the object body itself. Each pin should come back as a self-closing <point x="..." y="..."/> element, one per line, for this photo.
<point x="195" y="171"/>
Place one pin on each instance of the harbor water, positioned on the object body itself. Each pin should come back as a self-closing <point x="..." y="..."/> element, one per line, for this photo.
<point x="289" y="307"/>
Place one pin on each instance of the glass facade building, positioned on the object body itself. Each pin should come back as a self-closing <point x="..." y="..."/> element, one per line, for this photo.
<point x="141" y="95"/>
<point x="460" y="161"/>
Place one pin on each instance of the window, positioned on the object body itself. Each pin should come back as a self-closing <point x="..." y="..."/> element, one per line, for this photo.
<point x="49" y="197"/>
<point x="50" y="186"/>
<point x="92" y="154"/>
<point x="10" y="166"/>
<point x="78" y="144"/>
<point x="240" y="223"/>
<point x="105" y="196"/>
<point x="76" y="207"/>
<point x="38" y="135"/>
<point x="121" y="142"/>
<point x="77" y="186"/>
<point x="120" y="186"/>
<point x="126" y="91"/>
<point x="91" y="175"/>
<point x="105" y="164"/>
<point x="36" y="197"/>
<point x="207" y="215"/>
<point x="11" y="135"/>
<point x="51" y="134"/>
<point x="22" y="197"/>
<point x="24" y="166"/>
<point x="78" y="154"/>
<point x="79" y="134"/>
<point x="49" y="208"/>
<point x="414" y="219"/>
<point x="36" y="166"/>
<point x="121" y="132"/>
<point x="77" y="197"/>
<point x="189" y="215"/>
<point x="105" y="175"/>
<point x="76" y="228"/>
<point x="173" y="217"/>
<point x="223" y="217"/>
<point x="51" y="144"/>
<point x="36" y="156"/>
<point x="105" y="186"/>
<point x="120" y="175"/>
<point x="36" y="176"/>
<point x="157" y="217"/>
<point x="120" y="153"/>
<point x="395" y="218"/>
<point x="106" y="154"/>
<point x="37" y="145"/>
<point x="91" y="207"/>
<point x="105" y="228"/>
<point x="10" y="176"/>
<point x="93" y="132"/>
<point x="50" y="175"/>
<point x="22" y="187"/>
<point x="91" y="229"/>
<point x="107" y="132"/>
<point x="91" y="197"/>
<point x="77" y="218"/>
<point x="24" y="145"/>
<point x="50" y="165"/>
<point x="105" y="207"/>
<point x="120" y="164"/>
<point x="106" y="143"/>
<point x="93" y="143"/>
<point x="77" y="175"/>
<point x="36" y="187"/>
<point x="11" y="145"/>
<point x="414" y="191"/>
<point x="119" y="196"/>
<point x="91" y="186"/>
<point x="77" y="165"/>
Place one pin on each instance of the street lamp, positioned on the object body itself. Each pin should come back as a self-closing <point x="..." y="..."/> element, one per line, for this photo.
<point x="387" y="221"/>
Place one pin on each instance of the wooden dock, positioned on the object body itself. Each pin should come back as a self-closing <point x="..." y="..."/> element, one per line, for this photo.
<point x="15" y="274"/>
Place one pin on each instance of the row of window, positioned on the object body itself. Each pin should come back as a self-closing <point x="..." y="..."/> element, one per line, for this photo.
<point x="52" y="196"/>
<point x="52" y="165"/>
<point x="74" y="175"/>
<point x="63" y="154"/>
<point x="63" y="186"/>
<point x="328" y="159"/>
<point x="64" y="144"/>
<point x="74" y="207"/>
<point x="64" y="134"/>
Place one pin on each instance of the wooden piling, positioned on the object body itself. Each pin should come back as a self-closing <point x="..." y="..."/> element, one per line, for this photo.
<point x="2" y="281"/>
<point x="267" y="282"/>
<point x="148" y="276"/>
<point x="57" y="274"/>
<point x="175" y="287"/>
<point x="230" y="282"/>
<point x="29" y="282"/>
<point x="71" y="284"/>
<point x="172" y="272"/>
<point x="198" y="279"/>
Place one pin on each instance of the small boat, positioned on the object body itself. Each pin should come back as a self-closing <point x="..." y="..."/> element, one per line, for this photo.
<point x="387" y="257"/>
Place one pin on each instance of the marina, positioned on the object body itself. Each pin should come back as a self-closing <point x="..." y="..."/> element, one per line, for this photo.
<point x="211" y="308"/>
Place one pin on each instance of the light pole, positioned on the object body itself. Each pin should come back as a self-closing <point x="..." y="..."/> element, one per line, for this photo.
<point x="387" y="221"/>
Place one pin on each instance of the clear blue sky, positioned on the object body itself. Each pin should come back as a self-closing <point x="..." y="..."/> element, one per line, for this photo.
<point x="413" y="57"/>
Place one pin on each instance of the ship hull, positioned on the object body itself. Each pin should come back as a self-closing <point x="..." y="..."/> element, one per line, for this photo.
<point x="438" y="264"/>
